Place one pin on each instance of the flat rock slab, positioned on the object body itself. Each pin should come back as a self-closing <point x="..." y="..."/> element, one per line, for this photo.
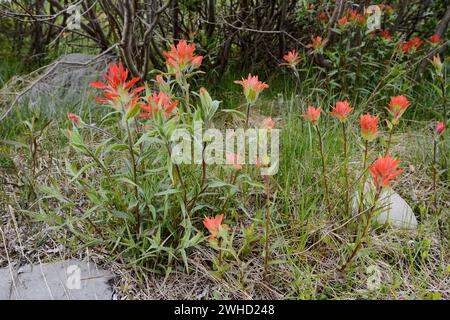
<point x="66" y="280"/>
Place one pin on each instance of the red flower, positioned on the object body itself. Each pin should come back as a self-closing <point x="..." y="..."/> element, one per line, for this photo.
<point x="268" y="123"/>
<point x="386" y="34"/>
<point x="387" y="8"/>
<point x="235" y="160"/>
<point x="292" y="58"/>
<point x="341" y="110"/>
<point x="252" y="87"/>
<point x="316" y="43"/>
<point x="181" y="58"/>
<point x="312" y="114"/>
<point x="117" y="90"/>
<point x="411" y="45"/>
<point x="213" y="224"/>
<point x="440" y="128"/>
<point x="354" y="16"/>
<point x="158" y="103"/>
<point x="74" y="118"/>
<point x="397" y="106"/>
<point x="342" y="21"/>
<point x="369" y="127"/>
<point x="384" y="170"/>
<point x="435" y="38"/>
<point x="323" y="16"/>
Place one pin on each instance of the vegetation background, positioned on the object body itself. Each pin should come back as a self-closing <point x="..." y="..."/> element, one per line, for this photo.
<point x="48" y="207"/>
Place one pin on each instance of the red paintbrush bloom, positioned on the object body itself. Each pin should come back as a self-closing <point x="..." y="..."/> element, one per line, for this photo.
<point x="384" y="170"/>
<point x="74" y="118"/>
<point x="435" y="38"/>
<point x="158" y="103"/>
<point x="181" y="58"/>
<point x="252" y="87"/>
<point x="342" y="21"/>
<point x="316" y="43"/>
<point x="312" y="114"/>
<point x="440" y="128"/>
<point x="386" y="34"/>
<point x="235" y="160"/>
<point x="411" y="45"/>
<point x="397" y="106"/>
<point x="341" y="110"/>
<point x="268" y="123"/>
<point x="416" y="42"/>
<point x="323" y="16"/>
<point x="292" y="58"/>
<point x="213" y="224"/>
<point x="117" y="90"/>
<point x="369" y="127"/>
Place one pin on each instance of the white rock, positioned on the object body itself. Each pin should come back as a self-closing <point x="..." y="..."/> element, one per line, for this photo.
<point x="394" y="209"/>
<point x="398" y="213"/>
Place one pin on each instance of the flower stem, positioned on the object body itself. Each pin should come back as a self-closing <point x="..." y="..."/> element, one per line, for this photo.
<point x="135" y="178"/>
<point x="248" y="115"/>
<point x="364" y="177"/>
<point x="389" y="141"/>
<point x="266" y="245"/>
<point x="364" y="233"/>
<point x="324" y="170"/>
<point x="346" y="169"/>
<point x="434" y="174"/>
<point x="219" y="258"/>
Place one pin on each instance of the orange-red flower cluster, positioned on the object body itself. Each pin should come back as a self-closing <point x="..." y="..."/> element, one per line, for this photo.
<point x="181" y="58"/>
<point x="213" y="225"/>
<point x="292" y="58"/>
<point x="312" y="114"/>
<point x="341" y="110"/>
<point x="252" y="87"/>
<point x="342" y="22"/>
<point x="235" y="160"/>
<point x="386" y="34"/>
<point x="74" y="118"/>
<point x="411" y="45"/>
<point x="316" y="43"/>
<point x="268" y="123"/>
<point x="384" y="170"/>
<point x="435" y="39"/>
<point x="158" y="103"/>
<point x="117" y="90"/>
<point x="440" y="128"/>
<point x="397" y="106"/>
<point x="369" y="126"/>
<point x="354" y="16"/>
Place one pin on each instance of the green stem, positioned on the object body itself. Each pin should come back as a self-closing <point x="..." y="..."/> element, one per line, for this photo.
<point x="324" y="170"/>
<point x="248" y="115"/>
<point x="135" y="178"/>
<point x="219" y="258"/>
<point x="364" y="177"/>
<point x="389" y="141"/>
<point x="434" y="174"/>
<point x="364" y="233"/>
<point x="347" y="202"/>
<point x="266" y="246"/>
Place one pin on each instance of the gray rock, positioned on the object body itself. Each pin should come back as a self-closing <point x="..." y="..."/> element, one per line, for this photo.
<point x="5" y="283"/>
<point x="66" y="280"/>
<point x="394" y="211"/>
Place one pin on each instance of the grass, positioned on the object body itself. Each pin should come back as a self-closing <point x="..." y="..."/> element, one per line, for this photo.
<point x="308" y="244"/>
